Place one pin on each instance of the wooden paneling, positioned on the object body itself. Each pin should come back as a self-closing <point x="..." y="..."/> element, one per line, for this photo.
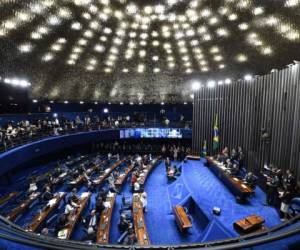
<point x="244" y="108"/>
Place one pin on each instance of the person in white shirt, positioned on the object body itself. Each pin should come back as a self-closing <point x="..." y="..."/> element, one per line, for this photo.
<point x="144" y="201"/>
<point x="136" y="186"/>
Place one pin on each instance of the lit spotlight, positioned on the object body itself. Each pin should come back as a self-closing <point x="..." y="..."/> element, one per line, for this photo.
<point x="248" y="77"/>
<point x="34" y="101"/>
<point x="105" y="110"/>
<point x="227" y="81"/>
<point x="211" y="84"/>
<point x="196" y="85"/>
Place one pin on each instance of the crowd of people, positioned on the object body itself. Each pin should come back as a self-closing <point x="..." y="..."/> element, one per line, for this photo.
<point x="175" y="151"/>
<point x="15" y="133"/>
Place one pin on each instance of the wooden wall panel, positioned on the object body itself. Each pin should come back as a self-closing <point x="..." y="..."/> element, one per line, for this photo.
<point x="244" y="108"/>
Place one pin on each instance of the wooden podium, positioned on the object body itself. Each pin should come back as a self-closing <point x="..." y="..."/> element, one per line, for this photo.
<point x="249" y="224"/>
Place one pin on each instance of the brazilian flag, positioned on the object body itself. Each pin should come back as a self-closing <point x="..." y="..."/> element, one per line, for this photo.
<point x="204" y="149"/>
<point x="216" y="140"/>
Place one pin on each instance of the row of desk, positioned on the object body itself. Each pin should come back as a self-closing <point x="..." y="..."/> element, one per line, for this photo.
<point x="241" y="190"/>
<point x="107" y="172"/>
<point x="137" y="208"/>
<point x="7" y="198"/>
<point x="51" y="206"/>
<point x="105" y="217"/>
<point x="66" y="232"/>
<point x="23" y="206"/>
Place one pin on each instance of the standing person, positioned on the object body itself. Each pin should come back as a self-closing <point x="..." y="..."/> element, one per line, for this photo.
<point x="272" y="185"/>
<point x="286" y="197"/>
<point x="167" y="164"/>
<point x="175" y="153"/>
<point x="163" y="151"/>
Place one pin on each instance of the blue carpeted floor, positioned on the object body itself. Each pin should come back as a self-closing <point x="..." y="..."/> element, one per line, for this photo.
<point x="208" y="191"/>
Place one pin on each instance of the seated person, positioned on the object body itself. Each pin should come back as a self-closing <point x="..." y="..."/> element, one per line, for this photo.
<point x="73" y="196"/>
<point x="235" y="170"/>
<point x="47" y="195"/>
<point x="32" y="186"/>
<point x="99" y="204"/>
<point x="233" y="155"/>
<point x="136" y="187"/>
<point x="90" y="223"/>
<point x="178" y="170"/>
<point x="171" y="173"/>
<point x="224" y="155"/>
<point x="130" y="239"/>
<point x="61" y="223"/>
<point x="124" y="223"/>
<point x="144" y="201"/>
<point x="70" y="208"/>
<point x="250" y="180"/>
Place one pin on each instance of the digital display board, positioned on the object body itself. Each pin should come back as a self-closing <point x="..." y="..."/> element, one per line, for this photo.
<point x="151" y="133"/>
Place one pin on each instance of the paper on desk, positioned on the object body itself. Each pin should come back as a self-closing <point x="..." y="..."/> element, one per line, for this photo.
<point x="52" y="202"/>
<point x="62" y="234"/>
<point x="85" y="194"/>
<point x="106" y="204"/>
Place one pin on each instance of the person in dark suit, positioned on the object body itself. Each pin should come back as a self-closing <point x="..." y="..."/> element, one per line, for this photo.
<point x="47" y="195"/>
<point x="130" y="239"/>
<point x="99" y="204"/>
<point x="124" y="223"/>
<point x="250" y="180"/>
<point x="272" y="185"/>
<point x="286" y="197"/>
<point x="290" y="181"/>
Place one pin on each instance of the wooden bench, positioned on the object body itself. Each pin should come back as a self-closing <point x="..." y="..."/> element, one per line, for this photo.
<point x="181" y="218"/>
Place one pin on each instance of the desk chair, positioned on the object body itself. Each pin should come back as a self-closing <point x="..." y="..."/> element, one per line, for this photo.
<point x="295" y="207"/>
<point x="126" y="203"/>
<point x="122" y="237"/>
<point x="189" y="216"/>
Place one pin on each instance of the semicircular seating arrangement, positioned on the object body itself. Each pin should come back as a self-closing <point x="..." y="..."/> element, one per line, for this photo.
<point x="132" y="199"/>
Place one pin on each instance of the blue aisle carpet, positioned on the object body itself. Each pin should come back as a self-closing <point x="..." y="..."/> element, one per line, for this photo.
<point x="208" y="191"/>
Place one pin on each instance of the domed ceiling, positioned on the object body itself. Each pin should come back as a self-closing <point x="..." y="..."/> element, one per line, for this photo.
<point x="142" y="50"/>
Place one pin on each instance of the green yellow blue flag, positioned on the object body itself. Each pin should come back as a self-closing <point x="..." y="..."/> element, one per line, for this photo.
<point x="216" y="140"/>
<point x="204" y="149"/>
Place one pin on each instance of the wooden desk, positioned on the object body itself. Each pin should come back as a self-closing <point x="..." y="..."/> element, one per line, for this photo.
<point x="105" y="220"/>
<point x="7" y="198"/>
<point x="181" y="218"/>
<point x="145" y="172"/>
<point x="22" y="207"/>
<point x="59" y="179"/>
<point x="80" y="179"/>
<point x="46" y="211"/>
<point x="249" y="224"/>
<point x="139" y="221"/>
<point x="120" y="180"/>
<point x="235" y="185"/>
<point x="107" y="172"/>
<point x="68" y="230"/>
<point x="193" y="157"/>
